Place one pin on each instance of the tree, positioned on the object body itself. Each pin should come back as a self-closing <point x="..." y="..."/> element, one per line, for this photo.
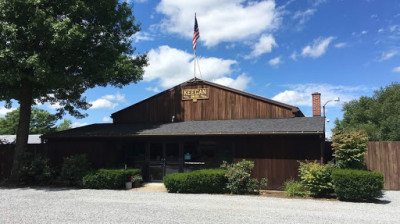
<point x="65" y="125"/>
<point x="53" y="51"/>
<point x="41" y="122"/>
<point x="378" y="116"/>
<point x="349" y="149"/>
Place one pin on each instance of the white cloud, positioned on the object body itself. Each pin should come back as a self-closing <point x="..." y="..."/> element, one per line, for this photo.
<point x="107" y="119"/>
<point x="219" y="21"/>
<point x="142" y="36"/>
<point x="300" y="94"/>
<point x="264" y="45"/>
<point x="364" y="32"/>
<point x="275" y="61"/>
<point x="102" y="103"/>
<point x="117" y="97"/>
<point x="341" y="45"/>
<point x="171" y="66"/>
<point x="77" y="124"/>
<point x="107" y="101"/>
<point x="396" y="69"/>
<point x="318" y="48"/>
<point x="387" y="55"/>
<point x="4" y="111"/>
<point x="380" y="30"/>
<point x="294" y="56"/>
<point x="153" y="89"/>
<point x="303" y="16"/>
<point x="239" y="83"/>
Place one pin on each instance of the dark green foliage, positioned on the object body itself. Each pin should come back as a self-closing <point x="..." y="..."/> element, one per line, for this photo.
<point x="42" y="122"/>
<point x="239" y="178"/>
<point x="35" y="169"/>
<point x="349" y="149"/>
<point x="316" y="178"/>
<point x="74" y="169"/>
<point x="378" y="116"/>
<point x="357" y="185"/>
<point x="108" y="179"/>
<point x="211" y="181"/>
<point x="295" y="189"/>
<point x="53" y="51"/>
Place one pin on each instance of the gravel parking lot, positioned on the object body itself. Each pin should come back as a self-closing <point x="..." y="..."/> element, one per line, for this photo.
<point x="26" y="205"/>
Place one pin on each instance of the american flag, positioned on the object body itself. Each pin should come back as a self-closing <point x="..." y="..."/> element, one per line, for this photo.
<point x="196" y="33"/>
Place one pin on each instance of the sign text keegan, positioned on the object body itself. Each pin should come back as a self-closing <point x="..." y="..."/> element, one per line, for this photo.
<point x="195" y="94"/>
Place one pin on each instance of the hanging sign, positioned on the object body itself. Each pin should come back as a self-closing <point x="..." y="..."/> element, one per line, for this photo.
<point x="195" y="94"/>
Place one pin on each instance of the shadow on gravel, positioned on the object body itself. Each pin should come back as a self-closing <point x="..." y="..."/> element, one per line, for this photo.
<point x="47" y="189"/>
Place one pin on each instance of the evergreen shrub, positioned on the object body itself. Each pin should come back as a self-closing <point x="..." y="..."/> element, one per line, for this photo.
<point x="74" y="169"/>
<point x="108" y="178"/>
<point x="210" y="181"/>
<point x="357" y="185"/>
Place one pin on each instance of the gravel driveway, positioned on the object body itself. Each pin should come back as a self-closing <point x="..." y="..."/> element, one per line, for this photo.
<point x="26" y="205"/>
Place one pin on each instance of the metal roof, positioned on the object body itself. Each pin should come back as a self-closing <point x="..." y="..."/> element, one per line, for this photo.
<point x="10" y="139"/>
<point x="296" y="125"/>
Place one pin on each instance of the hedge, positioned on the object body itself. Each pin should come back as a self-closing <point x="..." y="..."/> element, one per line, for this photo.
<point x="357" y="185"/>
<point x="210" y="181"/>
<point x="108" y="179"/>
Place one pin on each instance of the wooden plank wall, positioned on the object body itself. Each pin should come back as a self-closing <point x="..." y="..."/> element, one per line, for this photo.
<point x="277" y="157"/>
<point x="221" y="105"/>
<point x="385" y="157"/>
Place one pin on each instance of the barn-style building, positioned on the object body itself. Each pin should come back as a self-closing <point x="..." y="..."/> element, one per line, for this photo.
<point x="198" y="124"/>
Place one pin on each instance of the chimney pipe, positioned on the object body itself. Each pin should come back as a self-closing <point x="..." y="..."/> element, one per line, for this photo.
<point x="316" y="104"/>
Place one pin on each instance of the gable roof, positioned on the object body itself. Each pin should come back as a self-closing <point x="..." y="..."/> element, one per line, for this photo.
<point x="197" y="81"/>
<point x="295" y="125"/>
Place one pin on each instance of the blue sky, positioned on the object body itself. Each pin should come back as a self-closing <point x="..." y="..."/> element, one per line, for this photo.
<point x="283" y="50"/>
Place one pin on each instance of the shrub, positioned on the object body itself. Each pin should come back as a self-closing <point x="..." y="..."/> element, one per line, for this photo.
<point x="200" y="181"/>
<point x="316" y="178"/>
<point x="357" y="185"/>
<point x="108" y="179"/>
<point x="295" y="188"/>
<point x="74" y="169"/>
<point x="34" y="169"/>
<point x="349" y="148"/>
<point x="239" y="178"/>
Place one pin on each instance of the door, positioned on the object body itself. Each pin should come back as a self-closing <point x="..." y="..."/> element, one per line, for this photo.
<point x="164" y="159"/>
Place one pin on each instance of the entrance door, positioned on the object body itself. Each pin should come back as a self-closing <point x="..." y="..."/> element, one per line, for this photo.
<point x="164" y="160"/>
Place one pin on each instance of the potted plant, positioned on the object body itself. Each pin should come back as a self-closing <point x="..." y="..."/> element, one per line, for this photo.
<point x="137" y="179"/>
<point x="128" y="184"/>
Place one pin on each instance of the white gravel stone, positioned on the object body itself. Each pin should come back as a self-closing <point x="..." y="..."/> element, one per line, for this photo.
<point x="51" y="205"/>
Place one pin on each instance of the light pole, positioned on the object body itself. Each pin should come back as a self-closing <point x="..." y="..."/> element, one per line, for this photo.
<point x="323" y="142"/>
<point x="323" y="107"/>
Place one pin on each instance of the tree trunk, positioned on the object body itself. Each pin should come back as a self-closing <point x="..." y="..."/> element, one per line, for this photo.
<point x="25" y="103"/>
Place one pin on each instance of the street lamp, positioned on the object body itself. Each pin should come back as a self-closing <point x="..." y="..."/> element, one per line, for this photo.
<point x="323" y="107"/>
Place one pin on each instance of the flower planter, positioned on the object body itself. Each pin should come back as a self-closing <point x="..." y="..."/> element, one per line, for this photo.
<point x="128" y="185"/>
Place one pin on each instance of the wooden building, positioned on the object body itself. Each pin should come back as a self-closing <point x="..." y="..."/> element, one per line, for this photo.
<point x="198" y="124"/>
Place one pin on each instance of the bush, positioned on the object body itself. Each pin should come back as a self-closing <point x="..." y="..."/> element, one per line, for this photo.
<point x="357" y="185"/>
<point x="210" y="181"/>
<point x="74" y="169"/>
<point x="108" y="179"/>
<point x="239" y="178"/>
<point x="349" y="149"/>
<point x="295" y="188"/>
<point x="34" y="169"/>
<point x="316" y="178"/>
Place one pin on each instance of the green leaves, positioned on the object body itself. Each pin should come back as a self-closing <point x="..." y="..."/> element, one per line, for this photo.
<point x="65" y="47"/>
<point x="316" y="178"/>
<point x="349" y="148"/>
<point x="378" y="116"/>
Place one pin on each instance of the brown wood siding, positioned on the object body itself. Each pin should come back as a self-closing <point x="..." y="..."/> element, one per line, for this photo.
<point x="385" y="157"/>
<point x="221" y="105"/>
<point x="277" y="157"/>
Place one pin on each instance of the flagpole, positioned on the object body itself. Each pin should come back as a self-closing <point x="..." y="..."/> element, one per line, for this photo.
<point x="194" y="64"/>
